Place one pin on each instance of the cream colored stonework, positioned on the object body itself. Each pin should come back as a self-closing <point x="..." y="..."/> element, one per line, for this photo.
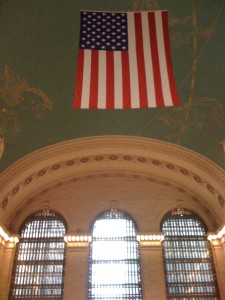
<point x="81" y="178"/>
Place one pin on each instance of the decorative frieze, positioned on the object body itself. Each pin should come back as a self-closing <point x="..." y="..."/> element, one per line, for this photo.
<point x="48" y="170"/>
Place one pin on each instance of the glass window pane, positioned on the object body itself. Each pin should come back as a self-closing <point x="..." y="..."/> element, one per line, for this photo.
<point x="114" y="267"/>
<point x="40" y="258"/>
<point x="188" y="260"/>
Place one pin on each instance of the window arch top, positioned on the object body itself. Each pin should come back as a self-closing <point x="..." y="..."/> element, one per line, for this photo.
<point x="41" y="216"/>
<point x="114" y="214"/>
<point x="183" y="217"/>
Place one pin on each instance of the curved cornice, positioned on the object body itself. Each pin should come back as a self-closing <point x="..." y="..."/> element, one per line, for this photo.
<point x="113" y="153"/>
<point x="101" y="142"/>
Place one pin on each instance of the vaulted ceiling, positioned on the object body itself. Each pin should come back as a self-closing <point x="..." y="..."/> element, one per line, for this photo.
<point x="39" y="43"/>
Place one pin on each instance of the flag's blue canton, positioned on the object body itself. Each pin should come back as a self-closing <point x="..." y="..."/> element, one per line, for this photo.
<point x="103" y="31"/>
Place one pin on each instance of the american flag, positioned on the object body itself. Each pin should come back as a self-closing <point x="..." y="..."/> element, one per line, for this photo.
<point x="124" y="61"/>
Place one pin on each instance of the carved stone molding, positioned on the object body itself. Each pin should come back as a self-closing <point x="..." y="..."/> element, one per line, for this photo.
<point x="127" y="151"/>
<point x="70" y="147"/>
<point x="75" y="162"/>
<point x="143" y="177"/>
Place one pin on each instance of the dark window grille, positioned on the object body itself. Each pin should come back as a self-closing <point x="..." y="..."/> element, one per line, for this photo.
<point x="40" y="258"/>
<point x="114" y="262"/>
<point x="188" y="260"/>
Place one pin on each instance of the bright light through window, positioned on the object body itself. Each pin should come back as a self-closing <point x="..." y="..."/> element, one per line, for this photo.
<point x="114" y="258"/>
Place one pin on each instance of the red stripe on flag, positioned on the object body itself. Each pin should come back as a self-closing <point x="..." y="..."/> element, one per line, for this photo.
<point x="126" y="79"/>
<point x="110" y="80"/>
<point x="155" y="60"/>
<point x="140" y="61"/>
<point x="79" y="79"/>
<point x="173" y="89"/>
<point x="93" y="100"/>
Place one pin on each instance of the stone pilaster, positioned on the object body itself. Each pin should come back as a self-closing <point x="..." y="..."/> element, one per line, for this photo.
<point x="218" y="249"/>
<point x="76" y="273"/>
<point x="152" y="268"/>
<point x="7" y="252"/>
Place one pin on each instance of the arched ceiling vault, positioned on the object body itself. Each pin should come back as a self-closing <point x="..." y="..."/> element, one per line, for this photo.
<point x="174" y="170"/>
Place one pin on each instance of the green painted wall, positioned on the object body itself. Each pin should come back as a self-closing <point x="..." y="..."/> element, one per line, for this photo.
<point x="38" y="54"/>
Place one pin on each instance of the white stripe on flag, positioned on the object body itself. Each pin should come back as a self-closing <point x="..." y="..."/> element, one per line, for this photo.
<point x="162" y="59"/>
<point x="118" y="87"/>
<point x="102" y="79"/>
<point x="148" y="60"/>
<point x="86" y="80"/>
<point x="134" y="83"/>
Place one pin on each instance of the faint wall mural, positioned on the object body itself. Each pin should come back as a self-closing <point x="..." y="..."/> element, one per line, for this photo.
<point x="17" y="97"/>
<point x="203" y="114"/>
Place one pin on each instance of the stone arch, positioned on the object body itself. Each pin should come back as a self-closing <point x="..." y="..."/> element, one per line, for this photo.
<point x="116" y="165"/>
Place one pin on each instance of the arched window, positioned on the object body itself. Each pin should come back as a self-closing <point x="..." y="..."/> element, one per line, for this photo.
<point x="189" y="268"/>
<point x="114" y="267"/>
<point x="40" y="258"/>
